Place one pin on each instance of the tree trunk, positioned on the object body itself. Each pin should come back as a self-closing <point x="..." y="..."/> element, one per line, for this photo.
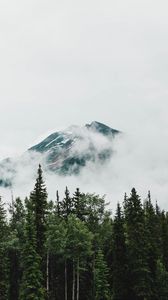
<point x="73" y="283"/>
<point x="66" y="295"/>
<point x="77" y="292"/>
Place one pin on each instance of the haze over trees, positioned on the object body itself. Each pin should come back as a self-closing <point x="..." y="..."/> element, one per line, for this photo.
<point x="74" y="249"/>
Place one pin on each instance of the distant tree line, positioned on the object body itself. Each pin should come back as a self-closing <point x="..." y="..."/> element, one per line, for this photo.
<point x="73" y="249"/>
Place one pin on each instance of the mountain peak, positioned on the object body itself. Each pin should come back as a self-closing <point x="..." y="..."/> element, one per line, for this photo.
<point x="102" y="128"/>
<point x="66" y="152"/>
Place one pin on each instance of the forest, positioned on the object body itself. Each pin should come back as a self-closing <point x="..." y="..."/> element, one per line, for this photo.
<point x="75" y="248"/>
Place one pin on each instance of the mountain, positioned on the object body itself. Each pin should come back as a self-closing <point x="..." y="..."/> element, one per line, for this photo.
<point x="64" y="152"/>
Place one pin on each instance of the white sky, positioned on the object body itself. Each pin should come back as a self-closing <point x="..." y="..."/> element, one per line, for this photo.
<point x="71" y="62"/>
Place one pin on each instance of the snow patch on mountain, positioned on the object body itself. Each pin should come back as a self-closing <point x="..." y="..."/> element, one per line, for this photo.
<point x="64" y="152"/>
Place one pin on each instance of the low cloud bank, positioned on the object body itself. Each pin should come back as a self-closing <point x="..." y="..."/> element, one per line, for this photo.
<point x="139" y="161"/>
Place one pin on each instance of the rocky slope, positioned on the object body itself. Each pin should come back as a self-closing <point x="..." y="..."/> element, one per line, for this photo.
<point x="65" y="152"/>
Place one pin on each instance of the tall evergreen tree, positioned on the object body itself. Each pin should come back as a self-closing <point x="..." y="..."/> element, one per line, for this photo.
<point x="151" y="235"/>
<point x="161" y="282"/>
<point x="79" y="205"/>
<point x="56" y="245"/>
<point x="164" y="239"/>
<point x="39" y="205"/>
<point x="16" y="227"/>
<point x="105" y="238"/>
<point x="58" y="205"/>
<point x="101" y="278"/>
<point x="67" y="204"/>
<point x="139" y="274"/>
<point x="31" y="286"/>
<point x="119" y="267"/>
<point x="3" y="253"/>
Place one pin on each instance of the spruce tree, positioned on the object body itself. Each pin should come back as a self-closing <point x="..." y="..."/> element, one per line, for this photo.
<point x="3" y="253"/>
<point x="152" y="250"/>
<point x="16" y="226"/>
<point x="164" y="238"/>
<point x="139" y="274"/>
<point x="58" y="205"/>
<point x="119" y="266"/>
<point x="67" y="204"/>
<point x="31" y="285"/>
<point x="56" y="246"/>
<point x="38" y="198"/>
<point x="105" y="239"/>
<point x="39" y="205"/>
<point x="161" y="282"/>
<point x="101" y="278"/>
<point x="79" y="205"/>
<point x="17" y="214"/>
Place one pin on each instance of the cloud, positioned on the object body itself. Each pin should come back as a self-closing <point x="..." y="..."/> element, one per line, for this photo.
<point x="64" y="63"/>
<point x="138" y="161"/>
<point x="73" y="62"/>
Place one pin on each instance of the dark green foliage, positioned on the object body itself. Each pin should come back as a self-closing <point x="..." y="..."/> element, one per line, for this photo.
<point x="17" y="213"/>
<point x="39" y="206"/>
<point x="66" y="205"/>
<point x="74" y="249"/>
<point x="79" y="205"/>
<point x="119" y="266"/>
<point x="40" y="209"/>
<point x="101" y="277"/>
<point x="79" y="239"/>
<point x="3" y="253"/>
<point x="58" y="205"/>
<point x="16" y="226"/>
<point x="95" y="208"/>
<point x="138" y="269"/>
<point x="31" y="286"/>
<point x="153" y="238"/>
<point x="105" y="239"/>
<point x="161" y="282"/>
<point x="164" y="236"/>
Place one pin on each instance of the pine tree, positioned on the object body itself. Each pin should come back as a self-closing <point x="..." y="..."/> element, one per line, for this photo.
<point x="161" y="282"/>
<point x="40" y="206"/>
<point x="31" y="286"/>
<point x="3" y="253"/>
<point x="152" y="251"/>
<point x="119" y="267"/>
<point x="164" y="238"/>
<point x="101" y="278"/>
<point x="16" y="226"/>
<point x="79" y="205"/>
<point x="67" y="204"/>
<point x="56" y="245"/>
<point x="105" y="242"/>
<point x="139" y="274"/>
<point x="58" y="205"/>
<point x="17" y="213"/>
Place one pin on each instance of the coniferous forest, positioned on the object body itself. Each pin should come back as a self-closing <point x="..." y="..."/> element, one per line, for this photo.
<point x="75" y="249"/>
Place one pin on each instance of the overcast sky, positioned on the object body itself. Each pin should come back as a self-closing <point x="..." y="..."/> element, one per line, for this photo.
<point x="71" y="62"/>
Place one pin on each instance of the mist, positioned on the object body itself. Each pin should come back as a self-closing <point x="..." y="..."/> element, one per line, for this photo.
<point x="68" y="63"/>
<point x="138" y="161"/>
